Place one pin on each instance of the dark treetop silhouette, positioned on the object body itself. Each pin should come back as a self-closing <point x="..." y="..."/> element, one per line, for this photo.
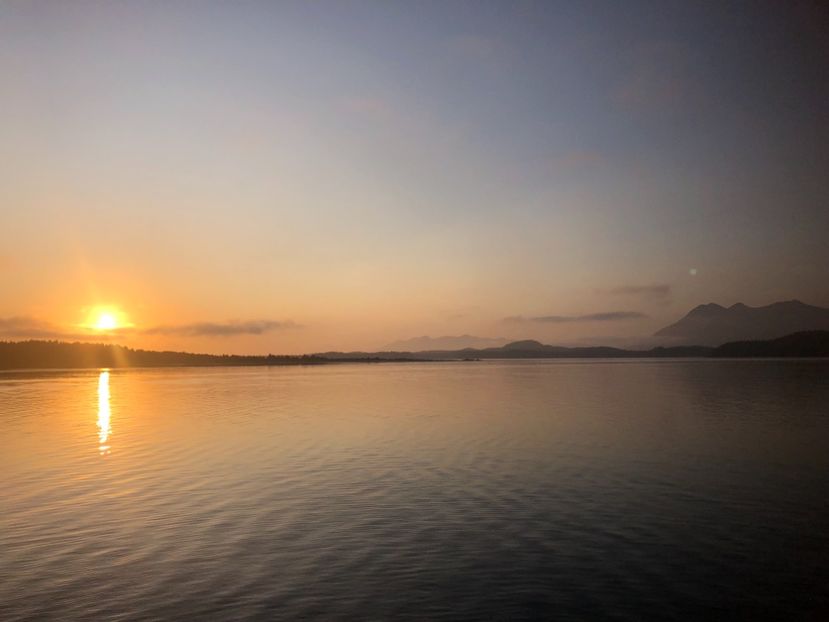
<point x="61" y="355"/>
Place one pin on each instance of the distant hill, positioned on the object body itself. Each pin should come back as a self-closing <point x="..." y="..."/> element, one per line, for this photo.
<point x="62" y="355"/>
<point x="527" y="349"/>
<point x="814" y="343"/>
<point x="712" y="324"/>
<point x="419" y="344"/>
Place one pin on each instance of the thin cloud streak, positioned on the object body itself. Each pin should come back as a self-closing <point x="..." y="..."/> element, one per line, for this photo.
<point x="33" y="328"/>
<point x="225" y="329"/>
<point x="607" y="316"/>
<point x="660" y="290"/>
<point x="25" y="326"/>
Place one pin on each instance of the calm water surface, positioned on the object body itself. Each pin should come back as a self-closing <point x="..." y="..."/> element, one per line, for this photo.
<point x="622" y="490"/>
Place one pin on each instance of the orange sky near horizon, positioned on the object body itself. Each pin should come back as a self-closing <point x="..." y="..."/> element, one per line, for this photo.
<point x="247" y="178"/>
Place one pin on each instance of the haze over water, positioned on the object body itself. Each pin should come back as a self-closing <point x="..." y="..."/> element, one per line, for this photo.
<point x="500" y="490"/>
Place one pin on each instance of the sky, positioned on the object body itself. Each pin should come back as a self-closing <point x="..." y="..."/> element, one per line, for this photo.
<point x="254" y="177"/>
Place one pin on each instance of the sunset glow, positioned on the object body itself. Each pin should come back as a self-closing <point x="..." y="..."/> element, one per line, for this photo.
<point x="432" y="310"/>
<point x="106" y="319"/>
<point x="225" y="183"/>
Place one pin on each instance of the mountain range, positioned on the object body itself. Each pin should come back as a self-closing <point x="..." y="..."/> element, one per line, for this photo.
<point x="783" y="329"/>
<point x="526" y="349"/>
<point x="447" y="342"/>
<point x="712" y="324"/>
<point x="61" y="355"/>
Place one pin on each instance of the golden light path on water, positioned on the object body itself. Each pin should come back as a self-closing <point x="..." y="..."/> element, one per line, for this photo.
<point x="104" y="413"/>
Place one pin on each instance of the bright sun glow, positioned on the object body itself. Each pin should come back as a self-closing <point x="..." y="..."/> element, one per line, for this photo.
<point x="106" y="319"/>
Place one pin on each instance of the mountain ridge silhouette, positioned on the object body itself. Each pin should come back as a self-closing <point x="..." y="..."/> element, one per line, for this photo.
<point x="712" y="324"/>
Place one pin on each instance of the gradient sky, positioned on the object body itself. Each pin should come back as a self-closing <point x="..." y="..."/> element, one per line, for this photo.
<point x="289" y="177"/>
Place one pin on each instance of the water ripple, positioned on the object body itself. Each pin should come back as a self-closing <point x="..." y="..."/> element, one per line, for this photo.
<point x="483" y="491"/>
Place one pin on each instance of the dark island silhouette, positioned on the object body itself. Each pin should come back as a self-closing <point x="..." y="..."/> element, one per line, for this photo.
<point x="810" y="343"/>
<point x="63" y="355"/>
<point x="526" y="349"/>
<point x="712" y="324"/>
<point x="801" y="344"/>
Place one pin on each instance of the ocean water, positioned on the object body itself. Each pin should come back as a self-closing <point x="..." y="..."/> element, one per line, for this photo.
<point x="566" y="490"/>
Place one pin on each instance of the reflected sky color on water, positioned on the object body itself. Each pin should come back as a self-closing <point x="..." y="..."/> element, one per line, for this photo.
<point x="505" y="490"/>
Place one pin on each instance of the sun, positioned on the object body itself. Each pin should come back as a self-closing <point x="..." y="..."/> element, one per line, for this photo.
<point x="105" y="319"/>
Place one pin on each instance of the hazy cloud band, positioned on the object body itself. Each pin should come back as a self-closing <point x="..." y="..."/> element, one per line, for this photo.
<point x="223" y="329"/>
<point x="24" y="326"/>
<point x="655" y="291"/>
<point x="607" y="316"/>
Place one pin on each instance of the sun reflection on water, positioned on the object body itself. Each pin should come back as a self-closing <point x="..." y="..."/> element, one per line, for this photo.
<point x="104" y="429"/>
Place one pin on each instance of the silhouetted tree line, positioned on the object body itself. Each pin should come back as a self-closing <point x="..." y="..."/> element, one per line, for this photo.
<point x="63" y="355"/>
<point x="811" y="343"/>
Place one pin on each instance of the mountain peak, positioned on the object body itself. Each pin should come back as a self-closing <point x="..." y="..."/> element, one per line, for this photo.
<point x="711" y="307"/>
<point x="526" y="344"/>
<point x="712" y="324"/>
<point x="445" y="342"/>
